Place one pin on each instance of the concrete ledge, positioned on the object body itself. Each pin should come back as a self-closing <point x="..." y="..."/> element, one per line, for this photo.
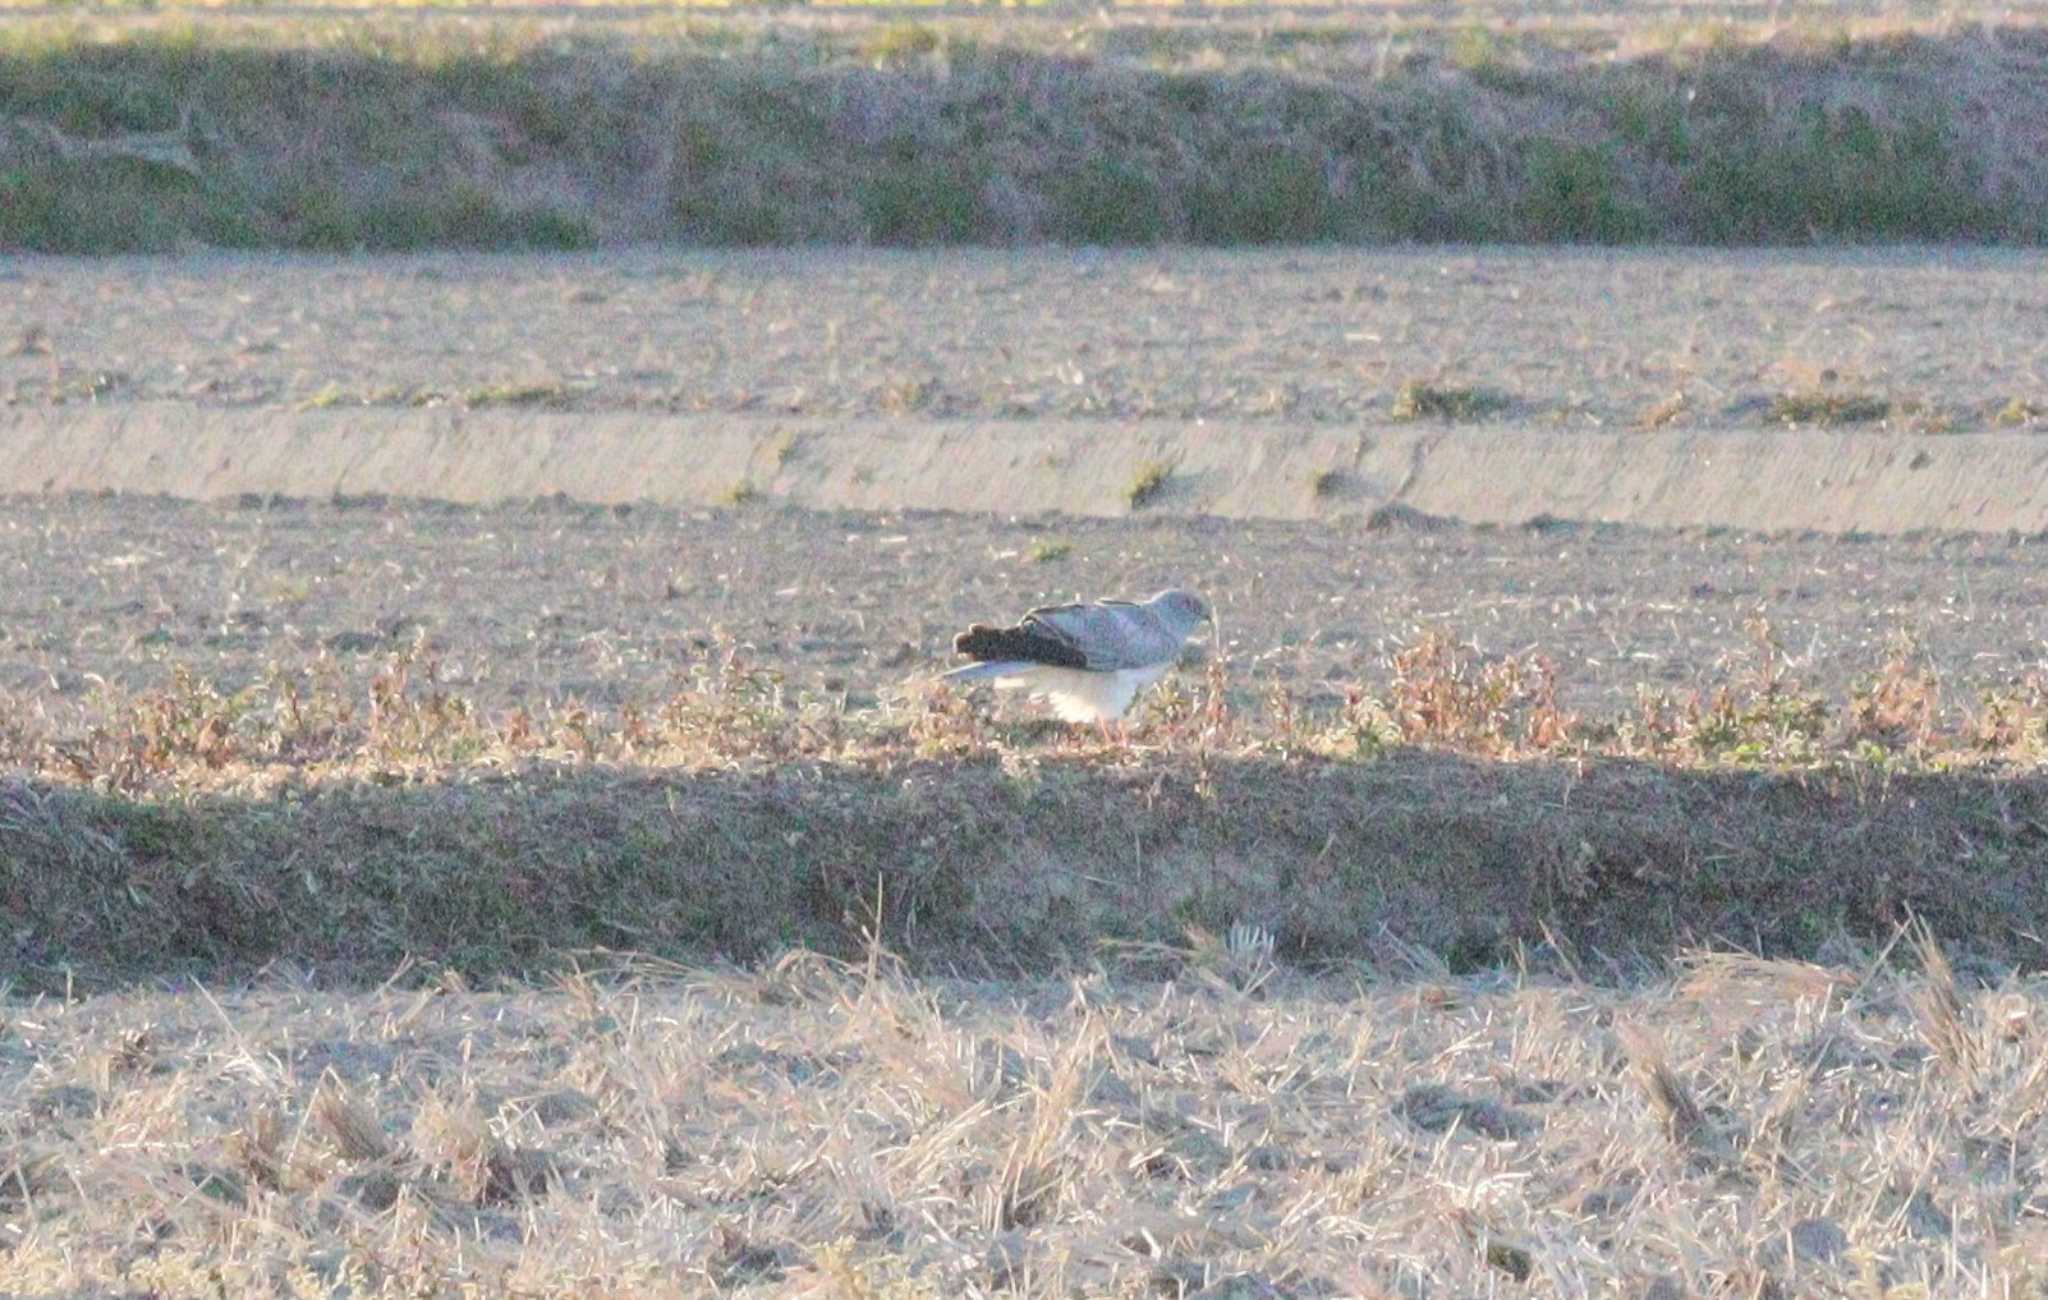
<point x="1772" y="479"/>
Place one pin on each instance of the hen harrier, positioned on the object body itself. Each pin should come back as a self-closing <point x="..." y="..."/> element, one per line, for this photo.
<point x="1089" y="660"/>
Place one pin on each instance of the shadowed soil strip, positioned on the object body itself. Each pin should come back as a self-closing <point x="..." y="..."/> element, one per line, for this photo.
<point x="998" y="867"/>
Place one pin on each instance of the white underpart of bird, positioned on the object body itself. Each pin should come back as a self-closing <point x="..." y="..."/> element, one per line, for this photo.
<point x="1088" y="660"/>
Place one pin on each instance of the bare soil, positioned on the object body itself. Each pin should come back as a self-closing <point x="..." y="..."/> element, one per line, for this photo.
<point x="550" y="601"/>
<point x="606" y="606"/>
<point x="1573" y="339"/>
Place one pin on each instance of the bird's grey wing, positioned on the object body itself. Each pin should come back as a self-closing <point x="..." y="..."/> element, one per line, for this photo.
<point x="1110" y="634"/>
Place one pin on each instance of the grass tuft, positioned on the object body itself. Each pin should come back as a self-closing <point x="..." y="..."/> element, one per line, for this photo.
<point x="1418" y="400"/>
<point x="1146" y="485"/>
<point x="2019" y="412"/>
<point x="1826" y="408"/>
<point x="1575" y="195"/>
<point x="329" y="395"/>
<point x="545" y="393"/>
<point x="900" y="41"/>
<point x="1667" y="412"/>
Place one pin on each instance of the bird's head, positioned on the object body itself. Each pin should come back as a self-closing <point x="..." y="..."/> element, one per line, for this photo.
<point x="1183" y="608"/>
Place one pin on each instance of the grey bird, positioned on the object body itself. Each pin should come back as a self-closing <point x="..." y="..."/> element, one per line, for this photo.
<point x="1089" y="660"/>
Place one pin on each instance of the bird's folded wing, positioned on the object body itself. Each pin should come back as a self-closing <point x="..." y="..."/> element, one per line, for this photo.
<point x="1110" y="634"/>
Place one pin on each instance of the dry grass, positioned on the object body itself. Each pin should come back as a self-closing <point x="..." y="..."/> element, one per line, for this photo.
<point x="729" y="711"/>
<point x="814" y="1128"/>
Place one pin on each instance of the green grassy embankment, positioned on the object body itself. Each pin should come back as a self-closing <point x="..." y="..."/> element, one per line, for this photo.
<point x="383" y="133"/>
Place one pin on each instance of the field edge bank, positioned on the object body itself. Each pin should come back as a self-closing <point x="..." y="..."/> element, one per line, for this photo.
<point x="979" y="868"/>
<point x="1404" y="475"/>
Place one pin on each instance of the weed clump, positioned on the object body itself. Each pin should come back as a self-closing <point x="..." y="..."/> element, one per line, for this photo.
<point x="2019" y="411"/>
<point x="917" y="194"/>
<point x="1145" y="487"/>
<point x="1441" y="695"/>
<point x="1829" y="408"/>
<point x="547" y="393"/>
<point x="899" y="42"/>
<point x="1269" y="197"/>
<point x="1425" y="401"/>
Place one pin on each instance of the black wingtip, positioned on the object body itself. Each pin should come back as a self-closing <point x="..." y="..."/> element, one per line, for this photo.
<point x="984" y="643"/>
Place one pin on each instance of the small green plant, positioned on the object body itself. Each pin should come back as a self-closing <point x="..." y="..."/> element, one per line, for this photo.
<point x="1652" y="118"/>
<point x="543" y="393"/>
<point x="2019" y="411"/>
<point x="1325" y="482"/>
<point x="900" y="41"/>
<point x="1477" y="47"/>
<point x="1149" y="482"/>
<point x="1814" y="407"/>
<point x="330" y="395"/>
<point x="1046" y="550"/>
<point x="740" y="493"/>
<point x="1423" y="401"/>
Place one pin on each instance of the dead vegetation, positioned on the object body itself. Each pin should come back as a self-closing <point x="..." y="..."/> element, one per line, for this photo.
<point x="731" y="711"/>
<point x="812" y="1127"/>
